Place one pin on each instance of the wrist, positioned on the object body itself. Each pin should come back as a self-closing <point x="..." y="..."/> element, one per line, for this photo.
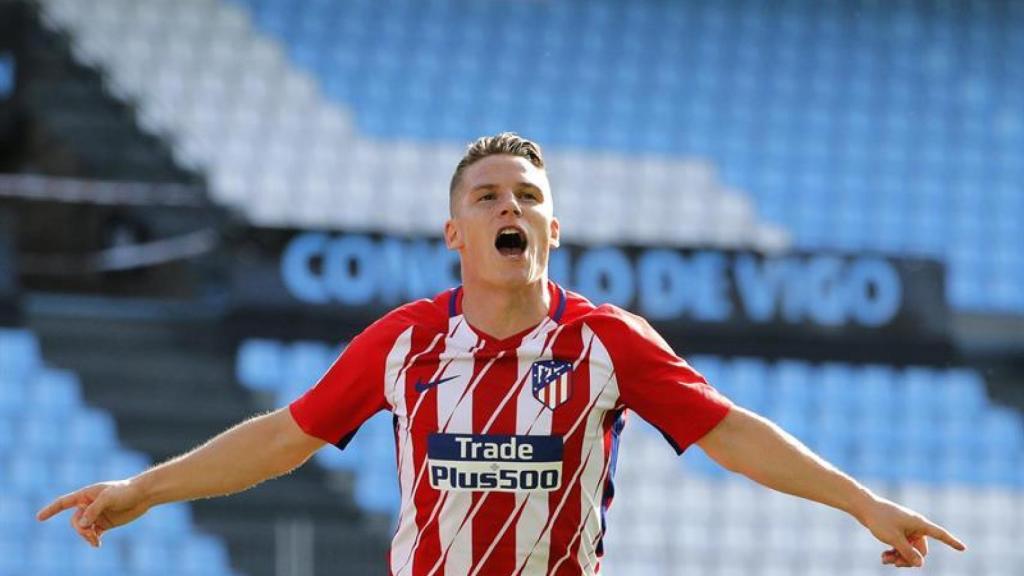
<point x="143" y="484"/>
<point x="860" y="504"/>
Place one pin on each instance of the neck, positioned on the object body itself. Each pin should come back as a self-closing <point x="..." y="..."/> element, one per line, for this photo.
<point x="500" y="311"/>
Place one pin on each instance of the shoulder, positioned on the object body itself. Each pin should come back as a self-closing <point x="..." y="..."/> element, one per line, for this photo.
<point x="611" y="317"/>
<point x="621" y="329"/>
<point x="425" y="313"/>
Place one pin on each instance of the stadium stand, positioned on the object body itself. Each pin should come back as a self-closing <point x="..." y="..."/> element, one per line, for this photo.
<point x="37" y="400"/>
<point x="909" y="432"/>
<point x="283" y="372"/>
<point x="674" y="84"/>
<point x="314" y="151"/>
<point x="685" y="123"/>
<point x="171" y="388"/>
<point x="78" y="130"/>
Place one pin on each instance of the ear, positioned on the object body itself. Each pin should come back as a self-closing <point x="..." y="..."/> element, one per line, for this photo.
<point x="555" y="231"/>
<point x="453" y="236"/>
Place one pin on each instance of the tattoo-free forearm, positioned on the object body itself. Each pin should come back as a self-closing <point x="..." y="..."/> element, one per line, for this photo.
<point x="755" y="447"/>
<point x="249" y="453"/>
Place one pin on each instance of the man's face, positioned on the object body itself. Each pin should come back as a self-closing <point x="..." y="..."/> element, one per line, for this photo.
<point x="502" y="222"/>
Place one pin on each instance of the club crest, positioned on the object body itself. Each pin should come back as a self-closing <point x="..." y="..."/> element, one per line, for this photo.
<point x="552" y="382"/>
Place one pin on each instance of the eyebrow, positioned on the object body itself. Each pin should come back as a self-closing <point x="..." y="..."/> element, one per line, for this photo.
<point x="520" y="186"/>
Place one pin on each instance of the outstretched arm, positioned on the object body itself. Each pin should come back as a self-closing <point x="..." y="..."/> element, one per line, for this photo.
<point x="748" y="444"/>
<point x="255" y="450"/>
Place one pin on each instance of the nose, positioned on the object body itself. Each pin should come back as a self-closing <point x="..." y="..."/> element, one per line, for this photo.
<point x="510" y="205"/>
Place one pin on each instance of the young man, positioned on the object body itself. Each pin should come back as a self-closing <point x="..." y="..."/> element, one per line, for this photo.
<point x="509" y="395"/>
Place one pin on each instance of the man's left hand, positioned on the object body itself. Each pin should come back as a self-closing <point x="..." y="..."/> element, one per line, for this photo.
<point x="906" y="531"/>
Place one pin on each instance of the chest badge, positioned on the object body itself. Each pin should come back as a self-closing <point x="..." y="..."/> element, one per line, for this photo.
<point x="552" y="382"/>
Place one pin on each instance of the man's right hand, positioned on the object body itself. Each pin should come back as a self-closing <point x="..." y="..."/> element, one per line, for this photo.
<point x="99" y="508"/>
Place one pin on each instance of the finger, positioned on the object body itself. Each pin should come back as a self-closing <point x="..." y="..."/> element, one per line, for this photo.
<point x="85" y="534"/>
<point x="921" y="543"/>
<point x="908" y="552"/>
<point x="892" y="557"/>
<point x="940" y="533"/>
<point x="94" y="510"/>
<point x="59" y="505"/>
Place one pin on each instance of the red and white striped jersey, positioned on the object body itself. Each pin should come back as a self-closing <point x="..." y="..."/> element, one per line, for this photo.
<point x="506" y="448"/>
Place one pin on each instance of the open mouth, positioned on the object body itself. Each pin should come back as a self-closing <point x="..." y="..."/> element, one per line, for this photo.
<point x="511" y="241"/>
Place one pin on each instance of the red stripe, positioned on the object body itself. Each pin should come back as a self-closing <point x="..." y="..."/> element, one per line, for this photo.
<point x="498" y="506"/>
<point x="569" y="346"/>
<point x="429" y="548"/>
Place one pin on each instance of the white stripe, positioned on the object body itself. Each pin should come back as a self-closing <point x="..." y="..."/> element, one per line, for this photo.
<point x="402" y="563"/>
<point x="579" y="533"/>
<point x="457" y="416"/>
<point x="464" y="529"/>
<point x="533" y="418"/>
<point x="593" y="477"/>
<point x="395" y="369"/>
<point x="598" y="404"/>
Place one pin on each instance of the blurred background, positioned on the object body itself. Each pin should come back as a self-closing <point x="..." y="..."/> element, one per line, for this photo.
<point x="818" y="202"/>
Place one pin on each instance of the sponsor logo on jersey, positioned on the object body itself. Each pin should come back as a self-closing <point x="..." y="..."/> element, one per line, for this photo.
<point x="494" y="463"/>
<point x="552" y="382"/>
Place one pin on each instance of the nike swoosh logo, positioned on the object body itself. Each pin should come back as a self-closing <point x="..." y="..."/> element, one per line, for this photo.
<point x="422" y="386"/>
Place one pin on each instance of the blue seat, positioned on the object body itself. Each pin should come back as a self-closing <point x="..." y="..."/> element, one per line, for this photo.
<point x="49" y="556"/>
<point x="8" y="430"/>
<point x="13" y="557"/>
<point x="16" y="514"/>
<point x="55" y="391"/>
<point x="123" y="464"/>
<point x="917" y="394"/>
<point x="334" y="459"/>
<point x="42" y="432"/>
<point x="91" y="431"/>
<point x="306" y="361"/>
<point x="150" y="557"/>
<point x="204" y="555"/>
<point x="958" y="467"/>
<point x="998" y="469"/>
<point x="1002" y="432"/>
<point x="747" y="378"/>
<point x="72" y="471"/>
<point x="103" y="561"/>
<point x="19" y="354"/>
<point x="914" y="465"/>
<point x="30" y="474"/>
<point x="963" y="393"/>
<point x="167" y="522"/>
<point x="696" y="461"/>
<point x="260" y="364"/>
<point x="835" y="385"/>
<point x="793" y="384"/>
<point x="378" y="491"/>
<point x="873" y="462"/>
<point x="12" y="394"/>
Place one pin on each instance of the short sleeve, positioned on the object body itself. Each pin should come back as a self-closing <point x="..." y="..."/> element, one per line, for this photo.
<point x="659" y="385"/>
<point x="352" y="389"/>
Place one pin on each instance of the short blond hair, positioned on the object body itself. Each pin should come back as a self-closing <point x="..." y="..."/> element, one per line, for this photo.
<point x="508" y="143"/>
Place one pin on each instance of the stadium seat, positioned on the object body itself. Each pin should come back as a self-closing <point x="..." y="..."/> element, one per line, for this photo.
<point x="55" y="392"/>
<point x="19" y="354"/>
<point x="203" y="555"/>
<point x="103" y="561"/>
<point x="91" y="431"/>
<point x="259" y="364"/>
<point x="14" y="558"/>
<point x="49" y="556"/>
<point x="150" y="556"/>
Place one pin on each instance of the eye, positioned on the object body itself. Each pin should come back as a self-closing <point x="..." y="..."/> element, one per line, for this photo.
<point x="530" y="195"/>
<point x="487" y="196"/>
